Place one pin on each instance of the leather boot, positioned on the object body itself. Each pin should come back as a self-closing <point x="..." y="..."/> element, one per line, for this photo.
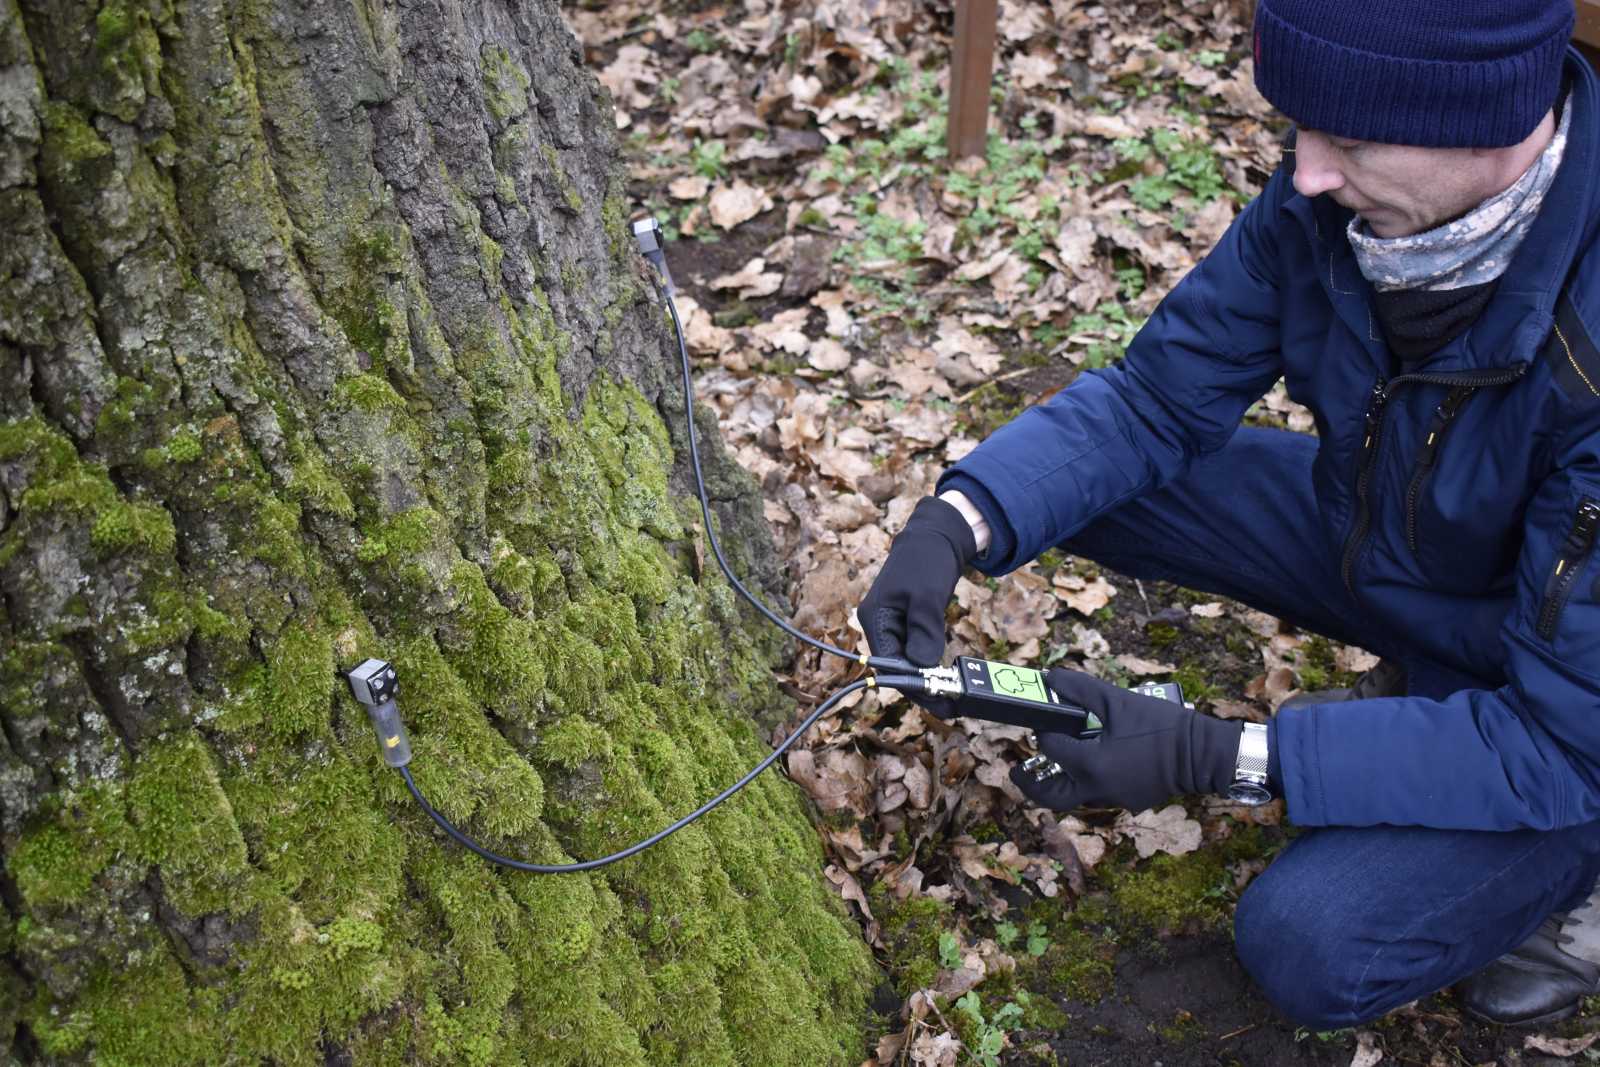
<point x="1387" y="679"/>
<point x="1543" y="979"/>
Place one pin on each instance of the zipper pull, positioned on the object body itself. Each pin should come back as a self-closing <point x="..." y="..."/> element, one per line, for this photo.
<point x="1380" y="396"/>
<point x="1443" y="414"/>
<point x="1453" y="401"/>
<point x="1581" y="539"/>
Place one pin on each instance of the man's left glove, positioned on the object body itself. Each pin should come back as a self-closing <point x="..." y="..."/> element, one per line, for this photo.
<point x="903" y="613"/>
<point x="1148" y="750"/>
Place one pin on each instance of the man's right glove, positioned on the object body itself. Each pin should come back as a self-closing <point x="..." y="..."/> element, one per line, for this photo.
<point x="903" y="612"/>
<point x="1149" y="750"/>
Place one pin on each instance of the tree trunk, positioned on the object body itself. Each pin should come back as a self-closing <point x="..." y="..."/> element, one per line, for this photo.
<point x="321" y="337"/>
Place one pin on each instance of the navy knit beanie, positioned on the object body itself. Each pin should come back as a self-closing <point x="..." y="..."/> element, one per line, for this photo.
<point x="1433" y="73"/>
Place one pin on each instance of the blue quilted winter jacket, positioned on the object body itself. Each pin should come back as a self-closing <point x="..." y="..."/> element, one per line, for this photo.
<point x="1480" y="548"/>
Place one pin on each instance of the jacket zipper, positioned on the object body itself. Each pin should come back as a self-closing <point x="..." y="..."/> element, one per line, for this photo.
<point x="1369" y="449"/>
<point x="1429" y="455"/>
<point x="1381" y="392"/>
<point x="1574" y="550"/>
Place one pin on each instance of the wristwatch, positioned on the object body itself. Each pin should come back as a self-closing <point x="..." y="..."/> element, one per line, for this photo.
<point x="1250" y="767"/>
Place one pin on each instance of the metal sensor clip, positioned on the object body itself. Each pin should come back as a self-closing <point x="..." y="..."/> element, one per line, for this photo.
<point x="647" y="232"/>
<point x="374" y="685"/>
<point x="373" y="682"/>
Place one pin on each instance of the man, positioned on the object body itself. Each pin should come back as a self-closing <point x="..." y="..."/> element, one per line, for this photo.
<point x="1421" y="270"/>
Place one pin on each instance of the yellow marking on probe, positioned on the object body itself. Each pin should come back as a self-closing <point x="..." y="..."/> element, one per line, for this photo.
<point x="393" y="741"/>
<point x="1561" y="565"/>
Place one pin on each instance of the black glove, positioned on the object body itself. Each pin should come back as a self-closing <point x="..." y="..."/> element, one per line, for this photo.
<point x="1148" y="750"/>
<point x="903" y="612"/>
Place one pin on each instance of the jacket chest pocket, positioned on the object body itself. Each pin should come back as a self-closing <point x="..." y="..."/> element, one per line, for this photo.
<point x="1464" y="497"/>
<point x="1428" y="456"/>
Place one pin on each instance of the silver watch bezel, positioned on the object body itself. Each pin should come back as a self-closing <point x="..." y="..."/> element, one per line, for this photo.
<point x="1250" y="794"/>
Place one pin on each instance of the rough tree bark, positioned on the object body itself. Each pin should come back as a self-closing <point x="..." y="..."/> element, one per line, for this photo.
<point x="321" y="337"/>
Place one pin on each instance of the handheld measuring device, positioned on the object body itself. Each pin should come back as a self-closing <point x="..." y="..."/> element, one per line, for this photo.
<point x="1004" y="692"/>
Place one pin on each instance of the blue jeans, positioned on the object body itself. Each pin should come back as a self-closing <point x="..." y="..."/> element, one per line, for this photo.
<point x="1347" y="923"/>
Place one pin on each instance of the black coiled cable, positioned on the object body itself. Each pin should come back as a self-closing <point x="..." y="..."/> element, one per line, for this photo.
<point x="639" y="846"/>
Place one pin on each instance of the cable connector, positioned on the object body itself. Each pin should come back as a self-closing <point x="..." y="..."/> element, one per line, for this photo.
<point x="647" y="232"/>
<point x="1042" y="768"/>
<point x="942" y="681"/>
<point x="374" y="685"/>
<point x="905" y="683"/>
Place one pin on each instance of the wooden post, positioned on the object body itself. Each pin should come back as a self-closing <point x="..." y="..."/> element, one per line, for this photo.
<point x="1586" y="34"/>
<point x="971" y="68"/>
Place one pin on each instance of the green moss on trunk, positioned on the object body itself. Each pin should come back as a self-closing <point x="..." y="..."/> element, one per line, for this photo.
<point x="331" y="399"/>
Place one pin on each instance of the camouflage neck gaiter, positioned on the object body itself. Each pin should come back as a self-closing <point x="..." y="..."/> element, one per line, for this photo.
<point x="1473" y="249"/>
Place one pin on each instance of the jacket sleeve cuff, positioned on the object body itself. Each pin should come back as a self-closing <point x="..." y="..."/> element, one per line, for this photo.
<point x="1002" y="539"/>
<point x="1293" y="765"/>
<point x="1274" y="760"/>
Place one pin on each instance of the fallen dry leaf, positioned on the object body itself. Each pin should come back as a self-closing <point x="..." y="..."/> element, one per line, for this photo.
<point x="1033" y="72"/>
<point x="1111" y="127"/>
<point x="848" y="845"/>
<point x="828" y="355"/>
<point x="837" y="780"/>
<point x="629" y="74"/>
<point x="1277" y="685"/>
<point x="689" y="187"/>
<point x="935" y="1050"/>
<point x="850" y="889"/>
<point x="1019" y="613"/>
<point x="1075" y="244"/>
<point x="971" y="358"/>
<point x="786" y="332"/>
<point x="1090" y="642"/>
<point x="1168" y="830"/>
<point x="982" y="861"/>
<point x="982" y="268"/>
<point x="1238" y="709"/>
<point x="843" y="464"/>
<point x="1137" y="665"/>
<point x="888" y="1049"/>
<point x="1351" y="658"/>
<point x="732" y="204"/>
<point x="1068" y="839"/>
<point x="1206" y="226"/>
<point x="957" y="448"/>
<point x="699" y="332"/>
<point x="1082" y="595"/>
<point x="1367" y="1051"/>
<point x="1559" y="1046"/>
<point x="752" y="280"/>
<point x="956" y="981"/>
<point x="922" y="424"/>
